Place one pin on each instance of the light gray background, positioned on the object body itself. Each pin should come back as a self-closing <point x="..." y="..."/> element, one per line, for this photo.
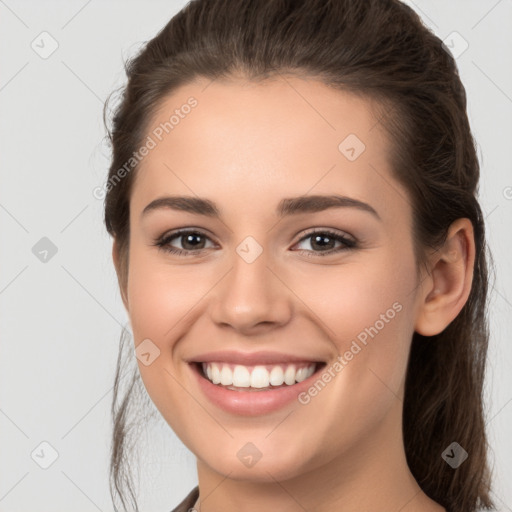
<point x="61" y="320"/>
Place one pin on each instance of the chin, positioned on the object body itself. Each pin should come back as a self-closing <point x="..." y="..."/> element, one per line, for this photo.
<point x="267" y="469"/>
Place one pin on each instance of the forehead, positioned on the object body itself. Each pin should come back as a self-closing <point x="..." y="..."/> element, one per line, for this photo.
<point x="253" y="143"/>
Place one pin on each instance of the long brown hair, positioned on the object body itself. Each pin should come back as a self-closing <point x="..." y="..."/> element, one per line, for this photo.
<point x="381" y="50"/>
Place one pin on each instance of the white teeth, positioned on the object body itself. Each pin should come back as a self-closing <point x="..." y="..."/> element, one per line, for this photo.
<point x="226" y="376"/>
<point x="215" y="374"/>
<point x="276" y="376"/>
<point x="241" y="376"/>
<point x="301" y="374"/>
<point x="260" y="377"/>
<point x="289" y="375"/>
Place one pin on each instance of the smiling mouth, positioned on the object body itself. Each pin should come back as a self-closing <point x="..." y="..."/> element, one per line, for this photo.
<point x="237" y="377"/>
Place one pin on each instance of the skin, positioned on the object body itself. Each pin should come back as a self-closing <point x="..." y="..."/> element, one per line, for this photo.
<point x="245" y="147"/>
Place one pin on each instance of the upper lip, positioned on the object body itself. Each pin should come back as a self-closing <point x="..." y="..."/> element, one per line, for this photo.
<point x="251" y="358"/>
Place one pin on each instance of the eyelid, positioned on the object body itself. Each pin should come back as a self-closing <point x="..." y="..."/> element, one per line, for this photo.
<point x="334" y="231"/>
<point x="176" y="233"/>
<point x="180" y="231"/>
<point x="348" y="242"/>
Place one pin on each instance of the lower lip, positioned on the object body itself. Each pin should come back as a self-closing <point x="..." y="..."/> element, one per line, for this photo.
<point x="252" y="403"/>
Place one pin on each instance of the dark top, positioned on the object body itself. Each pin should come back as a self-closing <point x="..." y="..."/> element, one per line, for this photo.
<point x="189" y="501"/>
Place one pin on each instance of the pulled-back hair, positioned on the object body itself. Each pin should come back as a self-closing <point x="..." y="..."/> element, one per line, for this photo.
<point x="381" y="50"/>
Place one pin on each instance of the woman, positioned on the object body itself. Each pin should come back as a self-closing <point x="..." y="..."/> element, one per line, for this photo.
<point x="301" y="252"/>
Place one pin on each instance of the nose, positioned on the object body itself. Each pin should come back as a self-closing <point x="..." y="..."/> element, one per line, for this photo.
<point x="251" y="298"/>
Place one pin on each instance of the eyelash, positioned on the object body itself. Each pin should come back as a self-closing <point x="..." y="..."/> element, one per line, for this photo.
<point x="163" y="243"/>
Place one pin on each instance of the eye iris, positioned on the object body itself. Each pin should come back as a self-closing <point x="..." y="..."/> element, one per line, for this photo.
<point x="317" y="238"/>
<point x="190" y="237"/>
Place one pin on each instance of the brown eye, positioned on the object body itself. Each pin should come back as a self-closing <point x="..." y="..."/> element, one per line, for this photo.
<point x="191" y="241"/>
<point x="321" y="240"/>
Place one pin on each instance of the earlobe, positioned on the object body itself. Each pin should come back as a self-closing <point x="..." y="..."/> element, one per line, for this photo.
<point x="448" y="285"/>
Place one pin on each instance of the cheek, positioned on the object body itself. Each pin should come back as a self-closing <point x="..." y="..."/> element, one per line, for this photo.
<point x="161" y="303"/>
<point x="160" y="296"/>
<point x="351" y="297"/>
<point x="368" y="313"/>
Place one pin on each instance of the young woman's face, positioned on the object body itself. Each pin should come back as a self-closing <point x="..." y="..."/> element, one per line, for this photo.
<point x="298" y="280"/>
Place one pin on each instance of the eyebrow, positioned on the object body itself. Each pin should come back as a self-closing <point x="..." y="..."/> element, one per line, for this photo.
<point x="287" y="206"/>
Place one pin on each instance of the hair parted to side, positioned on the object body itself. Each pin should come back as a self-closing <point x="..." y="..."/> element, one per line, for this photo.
<point x="381" y="50"/>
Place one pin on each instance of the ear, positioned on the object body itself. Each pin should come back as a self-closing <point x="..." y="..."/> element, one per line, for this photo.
<point x="447" y="287"/>
<point x="121" y="272"/>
